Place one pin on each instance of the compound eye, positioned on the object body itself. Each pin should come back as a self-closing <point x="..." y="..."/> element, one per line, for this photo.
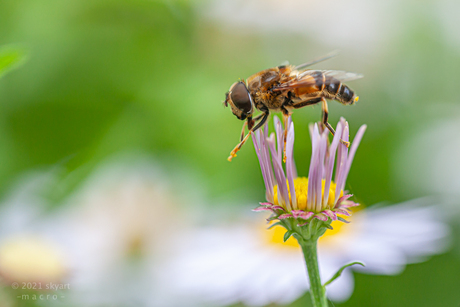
<point x="241" y="98"/>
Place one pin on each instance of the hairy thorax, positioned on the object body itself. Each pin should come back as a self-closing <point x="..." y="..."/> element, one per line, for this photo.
<point x="260" y="85"/>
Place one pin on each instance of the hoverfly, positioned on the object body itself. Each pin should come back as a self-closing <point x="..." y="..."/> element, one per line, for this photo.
<point x="285" y="88"/>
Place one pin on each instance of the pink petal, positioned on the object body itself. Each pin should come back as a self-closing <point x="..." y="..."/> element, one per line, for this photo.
<point x="348" y="204"/>
<point x="321" y="217"/>
<point x="258" y="209"/>
<point x="266" y="204"/>
<point x="296" y="213"/>
<point x="306" y="215"/>
<point x="330" y="214"/>
<point x="342" y="200"/>
<point x="342" y="211"/>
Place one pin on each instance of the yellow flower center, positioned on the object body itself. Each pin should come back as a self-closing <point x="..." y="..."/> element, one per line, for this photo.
<point x="301" y="193"/>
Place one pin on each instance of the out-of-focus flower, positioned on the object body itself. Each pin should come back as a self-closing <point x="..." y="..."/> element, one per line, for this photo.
<point x="26" y="253"/>
<point x="317" y="196"/>
<point x="247" y="263"/>
<point x="31" y="258"/>
<point x="107" y="242"/>
<point x="118" y="229"/>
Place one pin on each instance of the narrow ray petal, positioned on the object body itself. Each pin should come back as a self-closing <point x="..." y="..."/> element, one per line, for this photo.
<point x="289" y="162"/>
<point x="279" y="136"/>
<point x="354" y="147"/>
<point x="265" y="169"/>
<point x="341" y="163"/>
<point x="283" y="195"/>
<point x="331" y="160"/>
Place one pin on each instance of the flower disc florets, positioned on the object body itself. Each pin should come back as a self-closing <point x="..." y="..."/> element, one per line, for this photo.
<point x="316" y="197"/>
<point x="301" y="193"/>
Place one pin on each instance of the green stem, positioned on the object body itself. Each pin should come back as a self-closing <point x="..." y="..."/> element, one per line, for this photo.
<point x="317" y="291"/>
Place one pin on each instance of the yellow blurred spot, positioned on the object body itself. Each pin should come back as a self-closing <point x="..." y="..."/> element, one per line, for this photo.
<point x="275" y="236"/>
<point x="337" y="226"/>
<point x="30" y="259"/>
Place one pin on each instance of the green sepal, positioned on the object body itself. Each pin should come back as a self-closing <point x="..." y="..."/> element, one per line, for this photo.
<point x="272" y="218"/>
<point x="342" y="219"/>
<point x="287" y="235"/>
<point x="273" y="225"/>
<point x="339" y="272"/>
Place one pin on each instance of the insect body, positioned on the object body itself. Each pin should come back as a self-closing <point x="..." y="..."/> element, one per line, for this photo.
<point x="283" y="89"/>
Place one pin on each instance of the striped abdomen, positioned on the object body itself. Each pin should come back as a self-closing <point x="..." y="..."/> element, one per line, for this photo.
<point x="334" y="89"/>
<point x="320" y="83"/>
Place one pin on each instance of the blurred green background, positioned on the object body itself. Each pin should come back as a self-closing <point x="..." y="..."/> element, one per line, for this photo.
<point x="104" y="77"/>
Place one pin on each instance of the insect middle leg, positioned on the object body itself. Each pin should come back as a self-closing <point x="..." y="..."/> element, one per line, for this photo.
<point x="259" y="124"/>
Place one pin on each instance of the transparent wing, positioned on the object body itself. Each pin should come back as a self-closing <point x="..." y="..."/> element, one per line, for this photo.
<point x="343" y="76"/>
<point x="317" y="60"/>
<point x="310" y="77"/>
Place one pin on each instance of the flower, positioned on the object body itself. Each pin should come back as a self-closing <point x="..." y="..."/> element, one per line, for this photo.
<point x="118" y="230"/>
<point x="108" y="240"/>
<point x="315" y="197"/>
<point x="27" y="254"/>
<point x="243" y="262"/>
<point x="31" y="258"/>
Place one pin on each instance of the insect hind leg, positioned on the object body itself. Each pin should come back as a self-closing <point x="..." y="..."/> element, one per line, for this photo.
<point x="326" y="123"/>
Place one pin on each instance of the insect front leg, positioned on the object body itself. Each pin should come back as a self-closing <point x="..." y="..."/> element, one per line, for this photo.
<point x="250" y="123"/>
<point x="259" y="124"/>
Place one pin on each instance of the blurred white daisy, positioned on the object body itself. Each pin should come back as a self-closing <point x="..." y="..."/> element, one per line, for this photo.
<point x="246" y="263"/>
<point x="107" y="242"/>
<point x="117" y="229"/>
<point x="26" y="254"/>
